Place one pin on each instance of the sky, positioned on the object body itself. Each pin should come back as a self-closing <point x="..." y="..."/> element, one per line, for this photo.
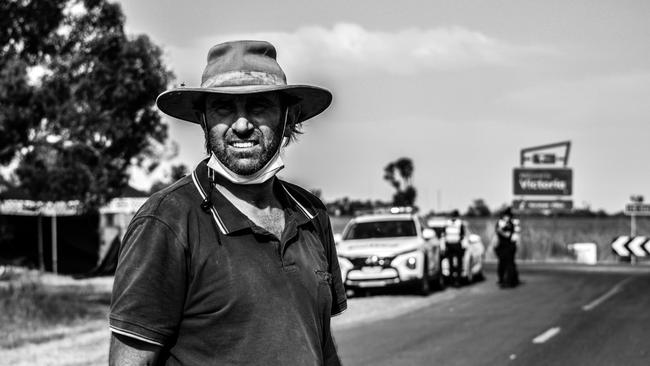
<point x="460" y="87"/>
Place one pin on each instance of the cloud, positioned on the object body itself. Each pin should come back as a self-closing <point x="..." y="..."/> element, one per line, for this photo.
<point x="615" y="96"/>
<point x="350" y="48"/>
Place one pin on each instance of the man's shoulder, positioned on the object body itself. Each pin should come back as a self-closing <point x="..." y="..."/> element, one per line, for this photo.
<point x="176" y="197"/>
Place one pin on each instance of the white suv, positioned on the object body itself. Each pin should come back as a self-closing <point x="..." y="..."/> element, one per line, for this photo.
<point x="389" y="249"/>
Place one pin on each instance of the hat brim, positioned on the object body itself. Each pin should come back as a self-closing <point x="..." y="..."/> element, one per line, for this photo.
<point x="187" y="103"/>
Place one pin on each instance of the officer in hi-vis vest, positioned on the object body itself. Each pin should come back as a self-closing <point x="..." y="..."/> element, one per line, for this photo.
<point x="453" y="239"/>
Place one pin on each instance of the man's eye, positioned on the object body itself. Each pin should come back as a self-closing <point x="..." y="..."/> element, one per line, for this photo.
<point x="258" y="109"/>
<point x="223" y="110"/>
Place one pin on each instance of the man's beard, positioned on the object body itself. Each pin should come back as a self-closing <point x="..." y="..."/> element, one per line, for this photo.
<point x="245" y="163"/>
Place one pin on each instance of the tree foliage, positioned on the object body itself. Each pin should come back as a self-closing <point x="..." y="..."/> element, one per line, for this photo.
<point x="399" y="174"/>
<point x="77" y="98"/>
<point x="478" y="208"/>
<point x="176" y="172"/>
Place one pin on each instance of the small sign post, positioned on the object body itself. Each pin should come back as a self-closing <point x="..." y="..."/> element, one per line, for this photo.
<point x="636" y="208"/>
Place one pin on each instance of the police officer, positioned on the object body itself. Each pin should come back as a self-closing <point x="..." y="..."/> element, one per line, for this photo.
<point x="453" y="239"/>
<point x="507" y="230"/>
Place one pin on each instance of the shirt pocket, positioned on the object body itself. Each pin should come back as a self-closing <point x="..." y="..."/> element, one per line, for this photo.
<point x="324" y="297"/>
<point x="323" y="277"/>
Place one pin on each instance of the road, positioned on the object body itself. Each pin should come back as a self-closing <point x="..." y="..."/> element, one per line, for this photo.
<point x="561" y="315"/>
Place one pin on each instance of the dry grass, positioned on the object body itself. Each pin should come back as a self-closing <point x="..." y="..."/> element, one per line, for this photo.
<point x="40" y="310"/>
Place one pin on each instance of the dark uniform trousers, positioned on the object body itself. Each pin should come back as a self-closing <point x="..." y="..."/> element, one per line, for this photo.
<point x="455" y="253"/>
<point x="506" y="268"/>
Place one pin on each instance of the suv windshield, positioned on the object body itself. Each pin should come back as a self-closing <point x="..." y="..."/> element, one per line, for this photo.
<point x="381" y="229"/>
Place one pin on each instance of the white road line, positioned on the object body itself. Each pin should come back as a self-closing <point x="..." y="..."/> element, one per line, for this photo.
<point x="546" y="335"/>
<point x="613" y="291"/>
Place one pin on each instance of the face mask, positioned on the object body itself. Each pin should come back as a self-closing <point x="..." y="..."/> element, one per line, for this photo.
<point x="267" y="172"/>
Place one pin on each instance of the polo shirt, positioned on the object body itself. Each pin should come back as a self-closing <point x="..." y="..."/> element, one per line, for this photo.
<point x="212" y="288"/>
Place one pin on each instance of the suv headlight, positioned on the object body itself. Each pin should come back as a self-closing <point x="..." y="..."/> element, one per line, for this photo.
<point x="409" y="260"/>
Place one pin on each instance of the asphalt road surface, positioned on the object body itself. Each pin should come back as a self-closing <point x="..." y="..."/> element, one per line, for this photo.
<point x="561" y="315"/>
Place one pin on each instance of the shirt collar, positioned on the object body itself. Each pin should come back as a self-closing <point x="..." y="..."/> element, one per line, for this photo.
<point x="229" y="219"/>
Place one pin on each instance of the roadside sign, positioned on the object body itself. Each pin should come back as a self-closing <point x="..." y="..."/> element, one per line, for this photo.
<point x="36" y="208"/>
<point x="637" y="209"/>
<point x="544" y="158"/>
<point x="524" y="205"/>
<point x="542" y="182"/>
<point x="549" y="154"/>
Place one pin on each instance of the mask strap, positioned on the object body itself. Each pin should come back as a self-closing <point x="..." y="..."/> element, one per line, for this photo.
<point x="207" y="202"/>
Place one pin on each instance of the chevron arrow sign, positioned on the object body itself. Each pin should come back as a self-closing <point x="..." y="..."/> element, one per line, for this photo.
<point x="625" y="246"/>
<point x="636" y="246"/>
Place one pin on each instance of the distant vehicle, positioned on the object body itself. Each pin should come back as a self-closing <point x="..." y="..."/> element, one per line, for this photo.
<point x="472" y="268"/>
<point x="389" y="249"/>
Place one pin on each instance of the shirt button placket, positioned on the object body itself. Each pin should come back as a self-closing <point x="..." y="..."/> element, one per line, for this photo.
<point x="278" y="250"/>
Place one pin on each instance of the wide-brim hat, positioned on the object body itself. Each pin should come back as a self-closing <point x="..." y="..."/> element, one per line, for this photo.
<point x="239" y="68"/>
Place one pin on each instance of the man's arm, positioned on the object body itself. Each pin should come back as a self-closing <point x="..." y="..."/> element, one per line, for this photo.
<point x="500" y="229"/>
<point x="148" y="292"/>
<point x="130" y="351"/>
<point x="462" y="231"/>
<point x="331" y="357"/>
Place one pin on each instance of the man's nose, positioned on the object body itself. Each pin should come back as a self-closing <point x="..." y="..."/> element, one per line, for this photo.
<point x="242" y="125"/>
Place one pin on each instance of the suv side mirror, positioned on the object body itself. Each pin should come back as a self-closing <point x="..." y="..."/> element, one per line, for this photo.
<point x="428" y="234"/>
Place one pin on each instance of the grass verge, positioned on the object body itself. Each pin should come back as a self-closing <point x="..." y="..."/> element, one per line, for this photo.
<point x="37" y="308"/>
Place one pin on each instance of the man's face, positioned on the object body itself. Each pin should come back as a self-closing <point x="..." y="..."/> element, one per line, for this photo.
<point x="245" y="131"/>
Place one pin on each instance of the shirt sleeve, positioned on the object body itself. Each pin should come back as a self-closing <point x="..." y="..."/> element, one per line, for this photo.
<point x="339" y="300"/>
<point x="150" y="283"/>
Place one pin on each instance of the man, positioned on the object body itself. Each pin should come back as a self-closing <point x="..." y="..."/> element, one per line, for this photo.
<point x="453" y="239"/>
<point x="506" y="248"/>
<point x="231" y="265"/>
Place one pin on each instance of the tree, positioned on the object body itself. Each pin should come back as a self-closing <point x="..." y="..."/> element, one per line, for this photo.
<point x="399" y="174"/>
<point x="77" y="98"/>
<point x="478" y="208"/>
<point x="176" y="172"/>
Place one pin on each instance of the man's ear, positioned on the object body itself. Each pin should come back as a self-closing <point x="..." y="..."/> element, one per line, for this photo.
<point x="293" y="115"/>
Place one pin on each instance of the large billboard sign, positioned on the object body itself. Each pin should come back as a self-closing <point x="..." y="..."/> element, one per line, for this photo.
<point x="542" y="182"/>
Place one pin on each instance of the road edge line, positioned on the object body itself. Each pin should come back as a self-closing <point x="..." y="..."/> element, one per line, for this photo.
<point x="613" y="291"/>
<point x="550" y="333"/>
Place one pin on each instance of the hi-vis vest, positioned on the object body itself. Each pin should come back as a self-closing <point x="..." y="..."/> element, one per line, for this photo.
<point x="452" y="231"/>
<point x="513" y="232"/>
